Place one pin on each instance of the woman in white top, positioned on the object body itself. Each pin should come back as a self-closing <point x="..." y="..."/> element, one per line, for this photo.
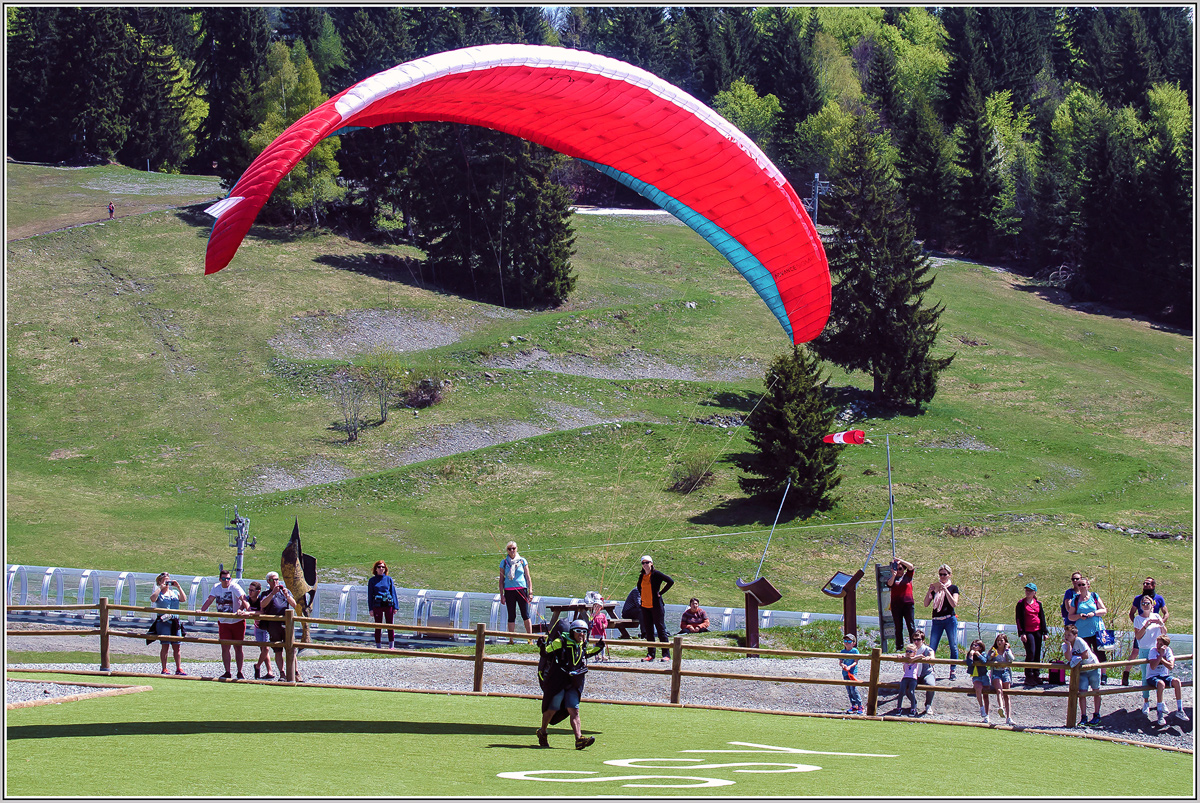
<point x="1147" y="627"/>
<point x="1079" y="653"/>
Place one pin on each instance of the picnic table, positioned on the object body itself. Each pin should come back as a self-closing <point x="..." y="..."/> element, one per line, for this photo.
<point x="580" y="610"/>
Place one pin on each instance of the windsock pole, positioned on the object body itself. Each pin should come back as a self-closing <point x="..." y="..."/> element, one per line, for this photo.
<point x="891" y="498"/>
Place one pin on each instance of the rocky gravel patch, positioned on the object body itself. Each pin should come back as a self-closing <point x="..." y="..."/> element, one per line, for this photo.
<point x="321" y="335"/>
<point x="967" y="442"/>
<point x="630" y="364"/>
<point x="316" y="471"/>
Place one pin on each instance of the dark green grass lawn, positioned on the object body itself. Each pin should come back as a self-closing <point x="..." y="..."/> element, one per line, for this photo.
<point x="183" y="738"/>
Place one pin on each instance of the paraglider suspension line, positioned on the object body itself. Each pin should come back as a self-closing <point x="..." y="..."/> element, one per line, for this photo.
<point x="758" y="572"/>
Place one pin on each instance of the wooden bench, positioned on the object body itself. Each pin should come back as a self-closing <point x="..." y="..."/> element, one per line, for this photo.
<point x="623" y="625"/>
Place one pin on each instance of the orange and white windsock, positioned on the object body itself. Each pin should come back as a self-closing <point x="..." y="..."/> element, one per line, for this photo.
<point x="850" y="436"/>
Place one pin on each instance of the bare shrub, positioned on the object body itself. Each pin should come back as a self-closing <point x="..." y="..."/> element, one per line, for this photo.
<point x="422" y="393"/>
<point x="692" y="472"/>
<point x="350" y="392"/>
<point x="964" y="531"/>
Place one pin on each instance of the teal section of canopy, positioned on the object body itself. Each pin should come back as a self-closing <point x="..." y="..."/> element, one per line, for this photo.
<point x="746" y="264"/>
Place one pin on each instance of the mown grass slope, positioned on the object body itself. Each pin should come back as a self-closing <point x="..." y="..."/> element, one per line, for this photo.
<point x="145" y="399"/>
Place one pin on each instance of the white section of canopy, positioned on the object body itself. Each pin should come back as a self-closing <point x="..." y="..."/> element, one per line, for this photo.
<point x="483" y="57"/>
<point x="224" y="205"/>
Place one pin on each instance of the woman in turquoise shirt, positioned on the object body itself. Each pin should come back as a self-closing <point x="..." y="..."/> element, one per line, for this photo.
<point x="168" y="594"/>
<point x="1085" y="612"/>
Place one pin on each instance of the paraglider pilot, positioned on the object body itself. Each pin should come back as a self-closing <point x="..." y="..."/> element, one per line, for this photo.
<point x="561" y="673"/>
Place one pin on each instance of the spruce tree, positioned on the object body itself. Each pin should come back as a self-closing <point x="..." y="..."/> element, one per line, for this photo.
<point x="491" y="222"/>
<point x="1167" y="194"/>
<point x="786" y="430"/>
<point x="977" y="195"/>
<point x="230" y="61"/>
<point x="878" y="323"/>
<point x="927" y="169"/>
<point x="788" y="71"/>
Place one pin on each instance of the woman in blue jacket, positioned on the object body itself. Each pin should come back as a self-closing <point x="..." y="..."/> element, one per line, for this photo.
<point x="382" y="601"/>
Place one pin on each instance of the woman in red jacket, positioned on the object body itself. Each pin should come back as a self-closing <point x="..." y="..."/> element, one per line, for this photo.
<point x="1031" y="627"/>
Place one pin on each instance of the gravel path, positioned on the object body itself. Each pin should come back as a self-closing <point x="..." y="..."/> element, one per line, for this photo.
<point x="1121" y="715"/>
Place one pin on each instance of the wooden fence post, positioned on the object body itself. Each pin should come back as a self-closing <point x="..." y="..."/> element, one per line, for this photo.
<point x="480" y="627"/>
<point x="104" y="634"/>
<point x="1073" y="696"/>
<point x="289" y="645"/>
<point x="873" y="689"/>
<point x="676" y="662"/>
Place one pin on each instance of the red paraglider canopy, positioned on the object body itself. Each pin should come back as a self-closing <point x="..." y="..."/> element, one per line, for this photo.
<point x="626" y="122"/>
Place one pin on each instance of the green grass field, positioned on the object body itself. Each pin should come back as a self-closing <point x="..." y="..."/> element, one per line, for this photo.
<point x="183" y="739"/>
<point x="44" y="198"/>
<point x="145" y="400"/>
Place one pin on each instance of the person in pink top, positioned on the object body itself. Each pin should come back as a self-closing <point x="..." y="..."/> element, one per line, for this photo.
<point x="901" y="601"/>
<point x="599" y="627"/>
<point x="1032" y="628"/>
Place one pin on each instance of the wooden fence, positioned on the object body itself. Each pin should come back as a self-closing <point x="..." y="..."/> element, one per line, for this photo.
<point x="875" y="659"/>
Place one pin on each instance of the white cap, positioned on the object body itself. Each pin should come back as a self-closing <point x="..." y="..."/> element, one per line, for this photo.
<point x="647" y="558"/>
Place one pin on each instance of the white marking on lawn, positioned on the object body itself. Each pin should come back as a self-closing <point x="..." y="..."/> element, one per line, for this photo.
<point x="634" y="763"/>
<point x="537" y="775"/>
<point x="766" y="747"/>
<point x="689" y="781"/>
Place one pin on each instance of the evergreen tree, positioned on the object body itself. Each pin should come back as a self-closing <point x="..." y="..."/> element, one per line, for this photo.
<point x="1170" y="31"/>
<point x="156" y="106"/>
<point x="977" y="192"/>
<point x="1111" y="209"/>
<point x="636" y="35"/>
<point x="292" y="89"/>
<point x="926" y="170"/>
<point x="1017" y="43"/>
<point x="787" y="70"/>
<point x="882" y="85"/>
<point x="491" y="222"/>
<point x="67" y="82"/>
<point x="1060" y="175"/>
<point x="1167" y="195"/>
<point x="687" y="67"/>
<point x="376" y="163"/>
<point x="1097" y="64"/>
<point x="230" y="61"/>
<point x="743" y="43"/>
<point x="1137" y="62"/>
<point x="34" y="121"/>
<point x="878" y="323"/>
<point x="967" y="64"/>
<point x="786" y="431"/>
<point x="522" y="24"/>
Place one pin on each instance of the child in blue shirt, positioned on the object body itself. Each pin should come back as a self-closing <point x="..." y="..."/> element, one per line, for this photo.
<point x="848" y="666"/>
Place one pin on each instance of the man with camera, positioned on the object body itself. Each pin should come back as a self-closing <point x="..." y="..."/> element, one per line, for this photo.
<point x="276" y="600"/>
